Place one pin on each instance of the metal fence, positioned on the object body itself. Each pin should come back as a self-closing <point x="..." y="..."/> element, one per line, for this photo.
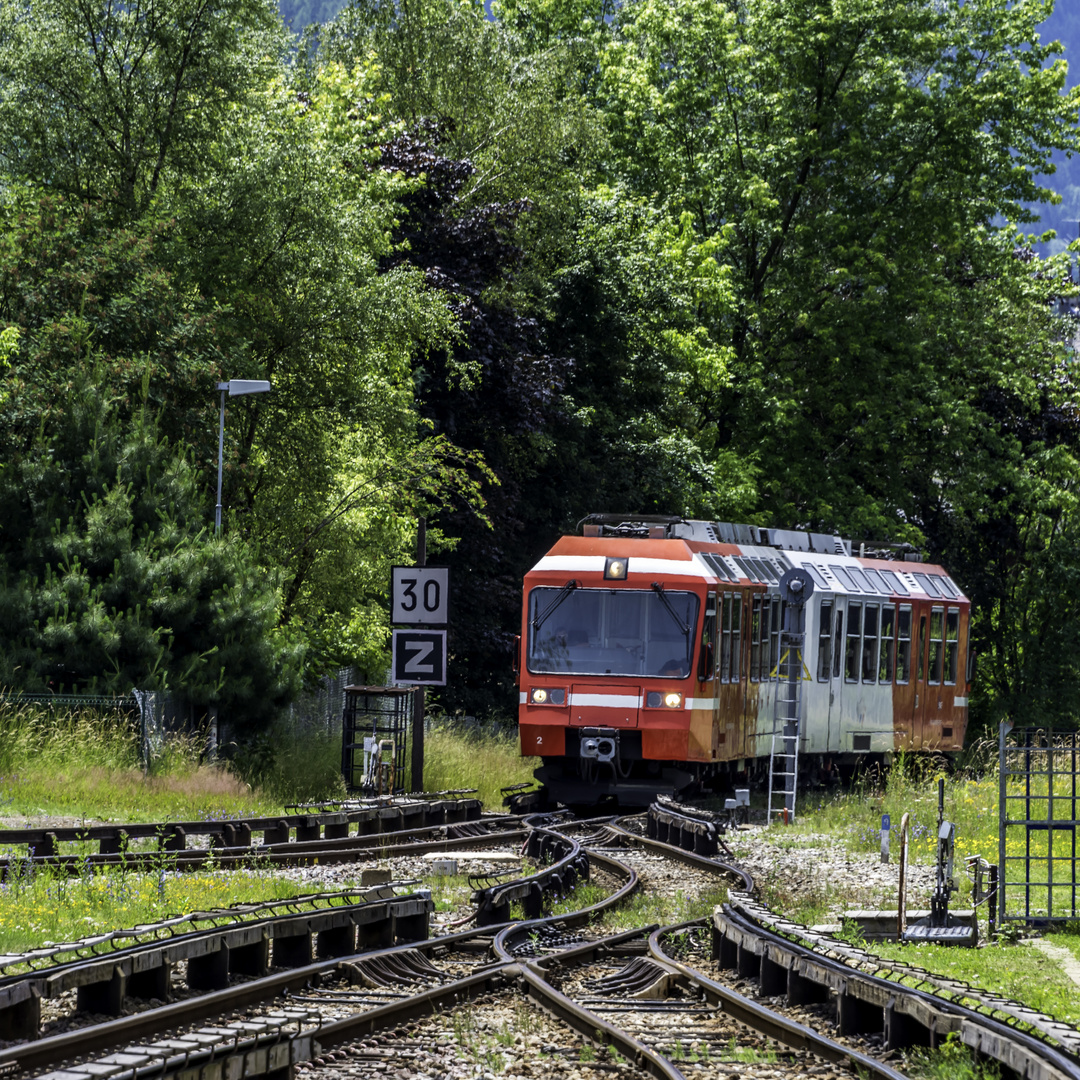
<point x="158" y="714"/>
<point x="321" y="707"/>
<point x="1039" y="777"/>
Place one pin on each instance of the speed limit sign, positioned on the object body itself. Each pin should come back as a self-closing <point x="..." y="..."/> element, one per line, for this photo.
<point x="420" y="595"/>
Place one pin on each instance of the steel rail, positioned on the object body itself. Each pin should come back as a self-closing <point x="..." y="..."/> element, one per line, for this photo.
<point x="595" y="1028"/>
<point x="517" y="930"/>
<point x="493" y="902"/>
<point x="55" y="1049"/>
<point x="689" y="858"/>
<point x="302" y="853"/>
<point x="463" y="810"/>
<point x="349" y="901"/>
<point x="742" y="1009"/>
<point x="530" y="977"/>
<point x="168" y="931"/>
<point x="761" y="1019"/>
<point x="1025" y="1054"/>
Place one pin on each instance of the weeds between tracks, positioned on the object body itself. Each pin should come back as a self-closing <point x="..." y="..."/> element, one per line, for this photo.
<point x="85" y="768"/>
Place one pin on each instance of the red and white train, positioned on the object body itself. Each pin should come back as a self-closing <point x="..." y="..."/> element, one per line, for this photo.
<point x="651" y="649"/>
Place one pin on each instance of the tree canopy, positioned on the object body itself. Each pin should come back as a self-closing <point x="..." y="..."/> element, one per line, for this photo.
<point x="504" y="267"/>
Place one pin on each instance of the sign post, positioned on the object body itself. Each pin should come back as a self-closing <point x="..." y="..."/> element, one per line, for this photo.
<point x="420" y="597"/>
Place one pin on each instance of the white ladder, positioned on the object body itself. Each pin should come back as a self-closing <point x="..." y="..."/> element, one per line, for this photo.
<point x="787" y="710"/>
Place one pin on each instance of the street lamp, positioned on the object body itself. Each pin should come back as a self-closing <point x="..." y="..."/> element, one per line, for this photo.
<point x="234" y="387"/>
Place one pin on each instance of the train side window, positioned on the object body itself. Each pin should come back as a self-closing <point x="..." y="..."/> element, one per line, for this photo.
<point x="937" y="646"/>
<point x="737" y="621"/>
<point x="920" y="659"/>
<point x="724" y="657"/>
<point x="870" y="644"/>
<point x="838" y="644"/>
<point x="952" y="645"/>
<point x="825" y="642"/>
<point x="888" y="644"/>
<point x="903" y="645"/>
<point x="755" y="640"/>
<point x="854" y="630"/>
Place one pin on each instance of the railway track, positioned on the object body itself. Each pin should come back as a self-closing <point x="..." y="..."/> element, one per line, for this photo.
<point x="362" y="990"/>
<point x="343" y="833"/>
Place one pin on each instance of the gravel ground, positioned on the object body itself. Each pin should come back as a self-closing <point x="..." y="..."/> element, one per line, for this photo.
<point x="816" y="872"/>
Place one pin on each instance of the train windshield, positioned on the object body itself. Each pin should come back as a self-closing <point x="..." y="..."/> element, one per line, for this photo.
<point x="612" y="631"/>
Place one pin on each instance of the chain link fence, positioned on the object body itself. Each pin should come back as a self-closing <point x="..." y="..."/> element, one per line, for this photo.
<point x="157" y="715"/>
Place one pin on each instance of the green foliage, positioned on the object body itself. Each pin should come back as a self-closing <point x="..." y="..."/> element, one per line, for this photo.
<point x="512" y="111"/>
<point x="291" y="766"/>
<point x="741" y="260"/>
<point x="49" y="906"/>
<point x="952" y="1060"/>
<point x="626" y="303"/>
<point x="847" y="172"/>
<point x="456" y="758"/>
<point x="328" y="471"/>
<point x="36" y="737"/>
<point x="87" y="300"/>
<point x="896" y="368"/>
<point x="111" y="580"/>
<point x="105" y="102"/>
<point x="83" y="764"/>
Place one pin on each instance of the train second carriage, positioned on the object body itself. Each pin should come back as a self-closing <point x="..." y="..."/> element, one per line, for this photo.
<point x="652" y="652"/>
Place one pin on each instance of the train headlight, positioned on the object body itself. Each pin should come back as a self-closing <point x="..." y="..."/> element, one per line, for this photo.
<point x="616" y="569"/>
<point x="657" y="699"/>
<point x="543" y="695"/>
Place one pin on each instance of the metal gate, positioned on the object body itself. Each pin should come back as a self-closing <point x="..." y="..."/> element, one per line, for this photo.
<point x="1039" y="777"/>
<point x="374" y="730"/>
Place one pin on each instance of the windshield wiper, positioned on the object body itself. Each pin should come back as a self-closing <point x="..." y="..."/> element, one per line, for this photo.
<point x="658" y="588"/>
<point x="563" y="593"/>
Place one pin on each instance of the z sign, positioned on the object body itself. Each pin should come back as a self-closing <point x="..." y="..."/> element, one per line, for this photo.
<point x="419" y="657"/>
<point x="419" y="595"/>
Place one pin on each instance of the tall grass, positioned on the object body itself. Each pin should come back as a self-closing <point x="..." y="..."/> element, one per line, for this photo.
<point x="43" y="905"/>
<point x="457" y="758"/>
<point x="60" y="739"/>
<point x="910" y="786"/>
<point x="288" y="766"/>
<point x="82" y="765"/>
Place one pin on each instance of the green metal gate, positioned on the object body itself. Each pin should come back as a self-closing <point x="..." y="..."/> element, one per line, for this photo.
<point x="1039" y="777"/>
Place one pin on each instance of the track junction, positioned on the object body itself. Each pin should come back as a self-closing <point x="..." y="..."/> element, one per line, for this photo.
<point x="352" y="983"/>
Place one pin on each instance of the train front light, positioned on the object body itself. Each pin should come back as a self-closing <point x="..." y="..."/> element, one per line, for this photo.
<point x="543" y="695"/>
<point x="655" y="699"/>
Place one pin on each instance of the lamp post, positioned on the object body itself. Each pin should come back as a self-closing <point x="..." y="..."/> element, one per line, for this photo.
<point x="234" y="388"/>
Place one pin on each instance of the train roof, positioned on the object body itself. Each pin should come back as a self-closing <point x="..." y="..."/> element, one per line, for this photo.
<point x="746" y="555"/>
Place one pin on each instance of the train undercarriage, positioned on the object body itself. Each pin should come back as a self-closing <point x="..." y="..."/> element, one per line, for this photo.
<point x="605" y="769"/>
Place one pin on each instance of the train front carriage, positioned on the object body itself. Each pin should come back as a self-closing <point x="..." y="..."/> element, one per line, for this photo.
<point x="652" y="654"/>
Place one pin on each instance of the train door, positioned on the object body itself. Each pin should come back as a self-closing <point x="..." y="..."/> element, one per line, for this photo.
<point x="904" y="685"/>
<point x="731" y="676"/>
<point x="924" y="688"/>
<point x="757" y="612"/>
<point x="709" y="734"/>
<point x="846" y="652"/>
<point x="830" y="633"/>
<point x="942" y="673"/>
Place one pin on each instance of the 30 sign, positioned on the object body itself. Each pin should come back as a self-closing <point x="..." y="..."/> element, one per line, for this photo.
<point x="419" y="595"/>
